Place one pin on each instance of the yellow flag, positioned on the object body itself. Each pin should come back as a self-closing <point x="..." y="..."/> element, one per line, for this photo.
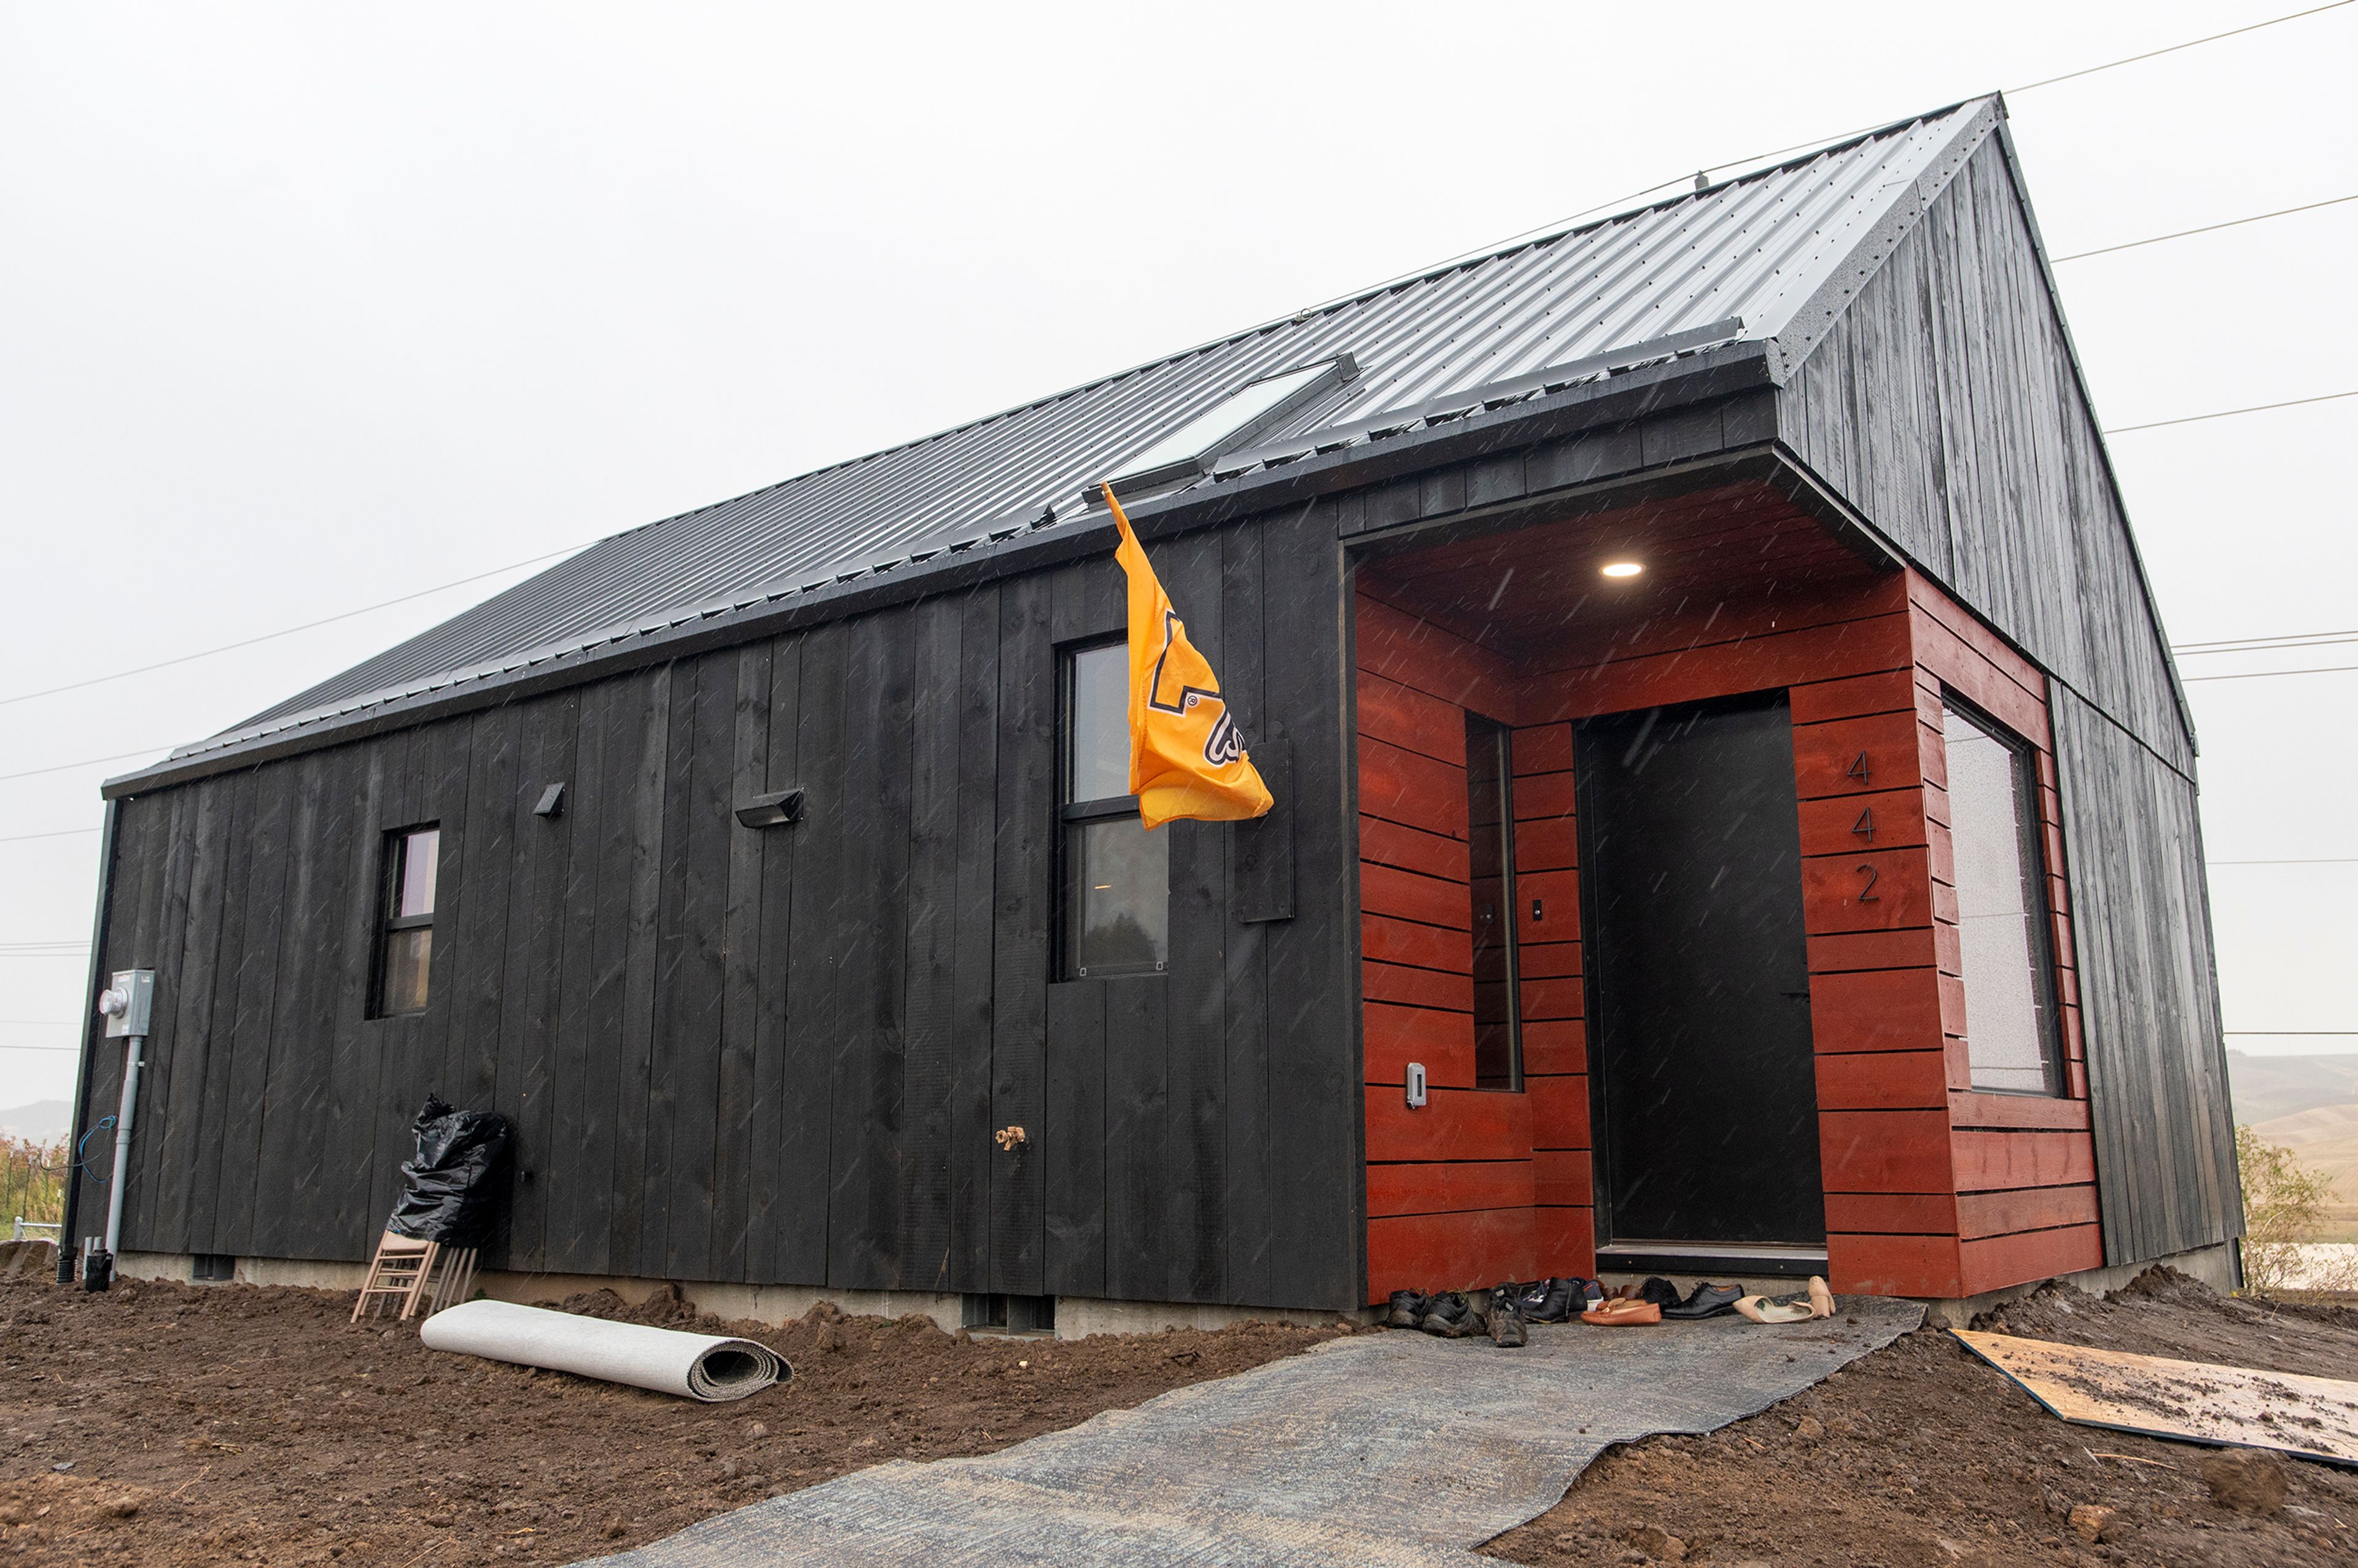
<point x="1185" y="756"/>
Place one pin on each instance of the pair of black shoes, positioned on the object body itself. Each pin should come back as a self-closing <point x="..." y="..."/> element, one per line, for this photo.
<point x="1451" y="1315"/>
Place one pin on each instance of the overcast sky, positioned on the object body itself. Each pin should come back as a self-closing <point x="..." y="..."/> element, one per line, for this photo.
<point x="303" y="308"/>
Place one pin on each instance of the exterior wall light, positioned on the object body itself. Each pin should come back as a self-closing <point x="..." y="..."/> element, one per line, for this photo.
<point x="1623" y="568"/>
<point x="774" y="810"/>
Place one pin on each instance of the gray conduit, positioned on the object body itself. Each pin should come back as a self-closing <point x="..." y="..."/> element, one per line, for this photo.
<point x="706" y="1367"/>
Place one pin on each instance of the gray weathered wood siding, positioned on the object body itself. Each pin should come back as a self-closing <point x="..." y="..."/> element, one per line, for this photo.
<point x="1943" y="405"/>
<point x="2150" y="990"/>
<point x="778" y="1056"/>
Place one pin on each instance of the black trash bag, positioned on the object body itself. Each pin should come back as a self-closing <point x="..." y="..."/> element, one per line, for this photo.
<point x="450" y="1189"/>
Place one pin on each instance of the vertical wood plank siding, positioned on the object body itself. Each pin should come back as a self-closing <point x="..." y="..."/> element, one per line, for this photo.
<point x="1942" y="404"/>
<point x="775" y="1057"/>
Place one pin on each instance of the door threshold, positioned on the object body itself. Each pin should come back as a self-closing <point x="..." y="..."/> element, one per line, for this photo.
<point x="1710" y="1258"/>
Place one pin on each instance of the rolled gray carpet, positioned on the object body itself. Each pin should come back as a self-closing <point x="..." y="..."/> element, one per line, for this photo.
<point x="707" y="1367"/>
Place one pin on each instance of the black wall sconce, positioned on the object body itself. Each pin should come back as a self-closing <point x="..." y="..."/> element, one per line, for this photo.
<point x="774" y="810"/>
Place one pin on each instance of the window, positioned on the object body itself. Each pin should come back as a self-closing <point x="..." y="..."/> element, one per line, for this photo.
<point x="1490" y="882"/>
<point x="2001" y="906"/>
<point x="1116" y="914"/>
<point x="404" y="958"/>
<point x="1230" y="424"/>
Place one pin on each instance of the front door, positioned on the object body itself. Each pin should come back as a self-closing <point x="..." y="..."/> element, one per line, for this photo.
<point x="1698" y="979"/>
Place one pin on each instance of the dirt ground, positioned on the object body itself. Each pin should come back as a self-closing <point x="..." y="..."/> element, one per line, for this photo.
<point x="1923" y="1453"/>
<point x="169" y="1425"/>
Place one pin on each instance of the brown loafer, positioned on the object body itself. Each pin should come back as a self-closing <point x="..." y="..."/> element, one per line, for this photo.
<point x="1614" y="1313"/>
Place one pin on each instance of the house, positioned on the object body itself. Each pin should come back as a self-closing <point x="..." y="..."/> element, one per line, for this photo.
<point x="1729" y="771"/>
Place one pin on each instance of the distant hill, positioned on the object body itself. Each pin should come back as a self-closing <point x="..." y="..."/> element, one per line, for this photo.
<point x="2266" y="1088"/>
<point x="40" y="1122"/>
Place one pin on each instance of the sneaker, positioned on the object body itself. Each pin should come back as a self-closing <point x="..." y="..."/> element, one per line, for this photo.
<point x="1407" y="1309"/>
<point x="1708" y="1301"/>
<point x="1507" y="1329"/>
<point x="1449" y="1315"/>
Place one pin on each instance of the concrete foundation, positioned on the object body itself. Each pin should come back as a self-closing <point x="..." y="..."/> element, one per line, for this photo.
<point x="1077" y="1317"/>
<point x="2218" y="1267"/>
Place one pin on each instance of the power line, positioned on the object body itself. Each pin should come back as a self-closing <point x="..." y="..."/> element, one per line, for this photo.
<point x="2283" y="640"/>
<point x="2292" y="1033"/>
<point x="2230" y="413"/>
<point x="2173" y="48"/>
<point x="2205" y="229"/>
<point x="75" y="1049"/>
<point x="289" y="631"/>
<point x="2263" y="674"/>
<point x="61" y="833"/>
<point x="1556" y="224"/>
<point x="85" y="763"/>
<point x="2320" y="860"/>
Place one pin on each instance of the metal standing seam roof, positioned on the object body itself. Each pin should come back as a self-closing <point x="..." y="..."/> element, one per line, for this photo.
<point x="1740" y="261"/>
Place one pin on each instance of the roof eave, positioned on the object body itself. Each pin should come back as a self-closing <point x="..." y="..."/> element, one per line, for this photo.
<point x="1628" y="396"/>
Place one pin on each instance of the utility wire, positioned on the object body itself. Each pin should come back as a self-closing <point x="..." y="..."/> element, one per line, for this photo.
<point x="2263" y="674"/>
<point x="2173" y="48"/>
<point x="61" y="833"/>
<point x="289" y="631"/>
<point x="1554" y="224"/>
<point x="85" y="763"/>
<point x="2205" y="229"/>
<point x="2229" y="413"/>
<point x="2290" y="1033"/>
<point x="2287" y="639"/>
<point x="2327" y="860"/>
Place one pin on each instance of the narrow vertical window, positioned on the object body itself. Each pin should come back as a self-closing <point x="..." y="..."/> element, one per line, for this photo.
<point x="1115" y="913"/>
<point x="2010" y="1026"/>
<point x="1490" y="880"/>
<point x="406" y="936"/>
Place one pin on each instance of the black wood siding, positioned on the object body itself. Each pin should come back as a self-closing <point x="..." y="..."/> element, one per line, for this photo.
<point x="1942" y="404"/>
<point x="779" y="1056"/>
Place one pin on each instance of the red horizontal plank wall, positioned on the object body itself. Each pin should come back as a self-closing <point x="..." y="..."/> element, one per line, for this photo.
<point x="1452" y="1186"/>
<point x="2026" y="1194"/>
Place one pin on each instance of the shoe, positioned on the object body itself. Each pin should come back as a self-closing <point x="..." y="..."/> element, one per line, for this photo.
<point x="1657" y="1289"/>
<point x="1407" y="1309"/>
<point x="1614" y="1313"/>
<point x="1550" y="1300"/>
<point x="1449" y="1315"/>
<point x="1779" y="1309"/>
<point x="1708" y="1301"/>
<point x="1821" y="1298"/>
<point x="1507" y="1329"/>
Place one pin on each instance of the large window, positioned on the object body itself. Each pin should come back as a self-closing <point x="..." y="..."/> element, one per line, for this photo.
<point x="405" y="932"/>
<point x="1490" y="879"/>
<point x="1116" y="911"/>
<point x="2010" y="1030"/>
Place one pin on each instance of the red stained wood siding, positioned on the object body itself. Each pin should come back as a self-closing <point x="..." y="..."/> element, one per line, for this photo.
<point x="1931" y="1189"/>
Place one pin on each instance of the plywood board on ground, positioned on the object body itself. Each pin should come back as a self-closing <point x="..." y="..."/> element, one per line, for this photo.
<point x="2316" y="1418"/>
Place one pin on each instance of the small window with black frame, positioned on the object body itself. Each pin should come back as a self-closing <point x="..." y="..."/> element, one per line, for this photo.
<point x="404" y="961"/>
<point x="1115" y="913"/>
<point x="2011" y="1038"/>
<point x="1490" y="882"/>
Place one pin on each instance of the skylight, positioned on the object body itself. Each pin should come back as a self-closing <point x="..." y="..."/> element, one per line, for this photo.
<point x="1236" y="419"/>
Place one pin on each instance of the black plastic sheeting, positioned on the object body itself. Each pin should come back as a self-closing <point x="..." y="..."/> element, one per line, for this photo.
<point x="450" y="1188"/>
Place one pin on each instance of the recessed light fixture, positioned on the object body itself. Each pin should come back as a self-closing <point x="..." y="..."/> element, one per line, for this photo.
<point x="1623" y="568"/>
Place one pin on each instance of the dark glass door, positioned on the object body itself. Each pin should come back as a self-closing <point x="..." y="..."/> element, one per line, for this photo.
<point x="1698" y="976"/>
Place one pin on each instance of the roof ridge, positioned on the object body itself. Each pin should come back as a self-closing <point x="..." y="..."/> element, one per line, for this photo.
<point x="1339" y="302"/>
